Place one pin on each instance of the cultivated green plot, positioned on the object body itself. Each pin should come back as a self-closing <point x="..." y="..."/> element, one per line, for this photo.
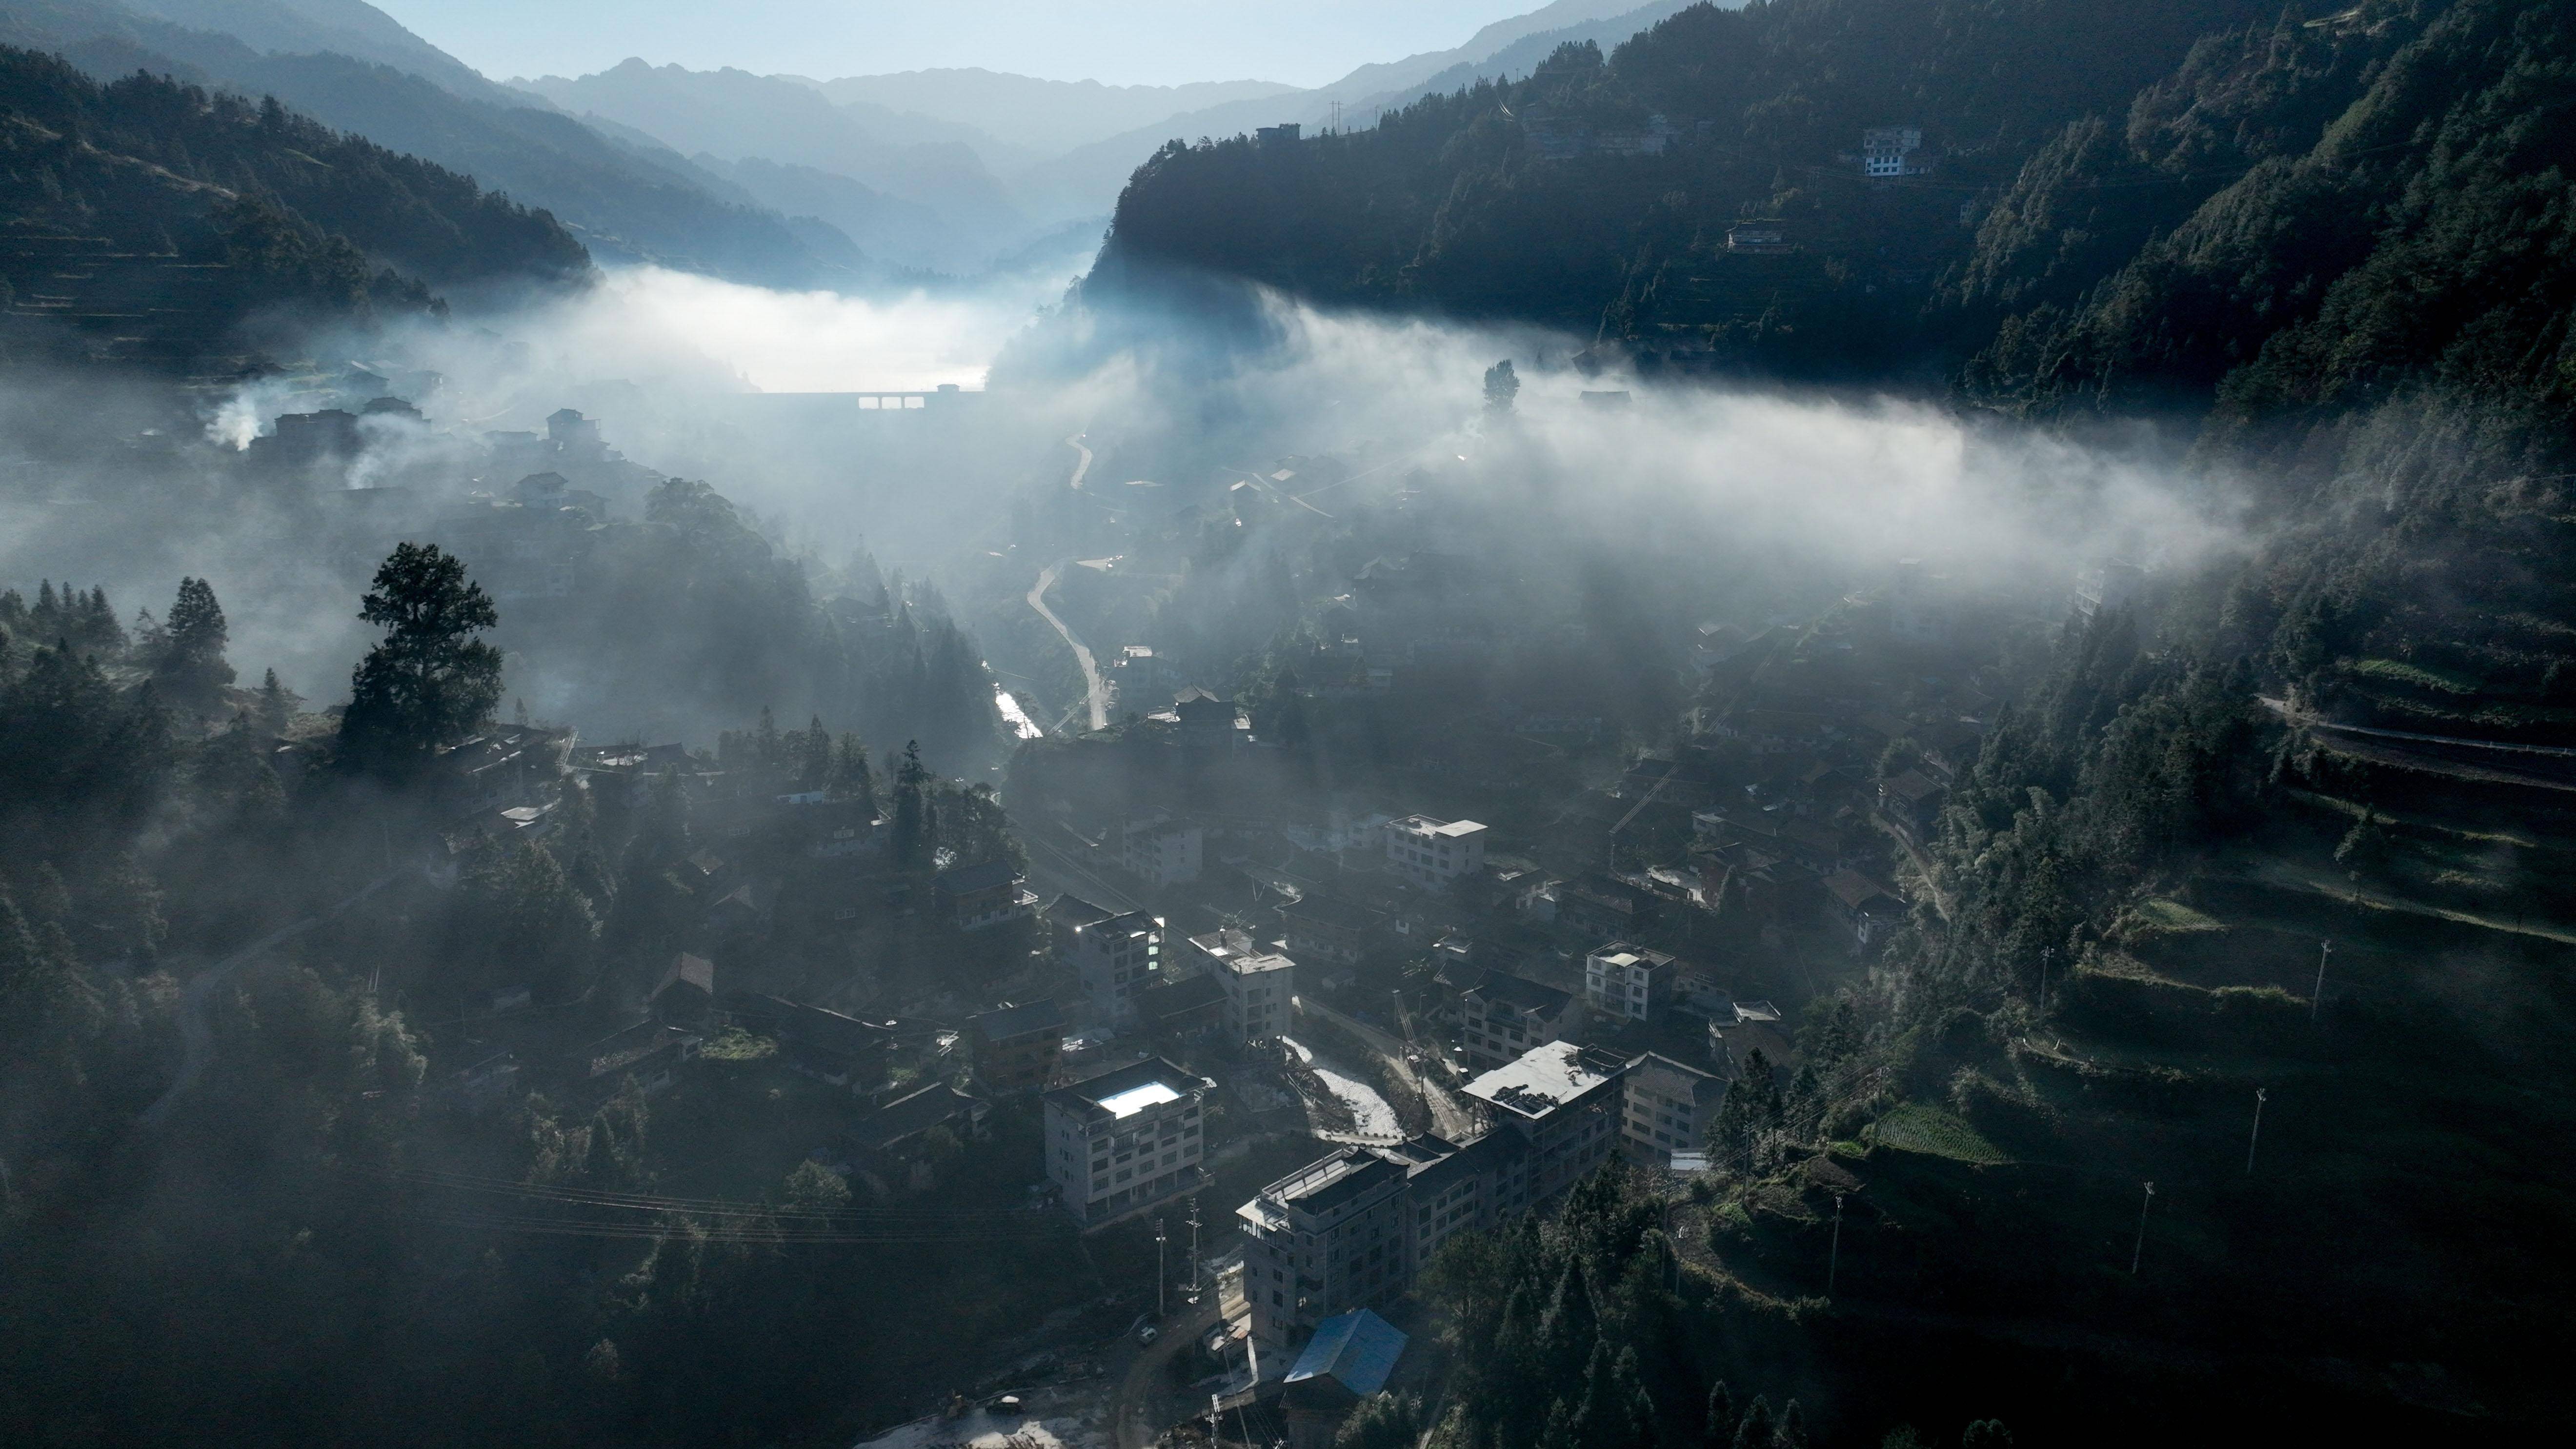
<point x="1915" y="1127"/>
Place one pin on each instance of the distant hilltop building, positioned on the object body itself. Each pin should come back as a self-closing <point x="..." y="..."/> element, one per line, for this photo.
<point x="1285" y="133"/>
<point x="2112" y="586"/>
<point x="1761" y="238"/>
<point x="1887" y="151"/>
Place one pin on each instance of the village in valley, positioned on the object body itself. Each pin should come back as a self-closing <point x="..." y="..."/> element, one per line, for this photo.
<point x="1266" y="986"/>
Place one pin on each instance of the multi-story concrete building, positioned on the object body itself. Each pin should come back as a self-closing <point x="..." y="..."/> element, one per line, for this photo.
<point x="1163" y="852"/>
<point x="1667" y="1108"/>
<point x="1503" y="1016"/>
<point x="1435" y="853"/>
<point x="1323" y="1240"/>
<point x="1563" y="1101"/>
<point x="1628" y="982"/>
<point x="1114" y="954"/>
<point x="1257" y="991"/>
<point x="1319" y="928"/>
<point x="1258" y="983"/>
<point x="1355" y="1227"/>
<point x="1205" y="955"/>
<point x="1122" y="1141"/>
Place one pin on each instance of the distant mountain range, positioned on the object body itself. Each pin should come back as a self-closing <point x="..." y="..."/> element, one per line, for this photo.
<point x="1037" y="154"/>
<point x="777" y="180"/>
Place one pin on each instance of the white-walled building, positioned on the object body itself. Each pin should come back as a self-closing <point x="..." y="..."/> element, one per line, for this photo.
<point x="1257" y="989"/>
<point x="1126" y="1139"/>
<point x="1114" y="954"/>
<point x="1434" y="853"/>
<point x="1628" y="981"/>
<point x="1667" y="1109"/>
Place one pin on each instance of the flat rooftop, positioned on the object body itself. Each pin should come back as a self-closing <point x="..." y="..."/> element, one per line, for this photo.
<point x="1425" y="825"/>
<point x="1542" y="1079"/>
<point x="1136" y="1099"/>
<point x="1125" y="1091"/>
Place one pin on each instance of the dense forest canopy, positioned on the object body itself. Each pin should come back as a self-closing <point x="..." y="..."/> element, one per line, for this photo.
<point x="213" y="209"/>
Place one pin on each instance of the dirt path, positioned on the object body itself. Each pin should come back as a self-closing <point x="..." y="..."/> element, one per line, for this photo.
<point x="1448" y="1117"/>
<point x="1095" y="690"/>
<point x="1134" y="1422"/>
<point x="197" y="1040"/>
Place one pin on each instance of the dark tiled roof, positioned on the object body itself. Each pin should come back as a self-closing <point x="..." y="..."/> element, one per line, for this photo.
<point x="696" y="971"/>
<point x="1028" y="1018"/>
<point x="1178" y="998"/>
<point x="966" y="879"/>
<point x="1326" y="911"/>
<point x="1520" y="993"/>
<point x="905" y="1117"/>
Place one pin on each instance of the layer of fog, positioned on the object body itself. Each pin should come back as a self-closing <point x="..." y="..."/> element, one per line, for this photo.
<point x="692" y="377"/>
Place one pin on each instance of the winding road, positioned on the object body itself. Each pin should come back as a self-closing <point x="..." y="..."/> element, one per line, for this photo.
<point x="1096" y="688"/>
<point x="197" y="1040"/>
<point x="1092" y="684"/>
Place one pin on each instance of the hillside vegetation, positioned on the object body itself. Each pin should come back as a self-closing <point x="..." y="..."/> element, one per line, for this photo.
<point x="156" y="218"/>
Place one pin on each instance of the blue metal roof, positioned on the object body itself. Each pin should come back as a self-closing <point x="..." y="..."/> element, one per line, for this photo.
<point x="1357" y="1350"/>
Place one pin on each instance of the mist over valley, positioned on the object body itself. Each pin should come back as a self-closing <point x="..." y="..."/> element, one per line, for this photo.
<point x="1830" y="722"/>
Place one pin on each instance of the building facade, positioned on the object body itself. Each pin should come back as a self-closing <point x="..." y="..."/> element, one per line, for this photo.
<point x="1125" y="1140"/>
<point x="1322" y="1241"/>
<point x="1257" y="991"/>
<point x="1114" y="954"/>
<point x="1163" y="852"/>
<point x="1502" y="1016"/>
<point x="1563" y="1102"/>
<point x="1353" y="1228"/>
<point x="1433" y="854"/>
<point x="1628" y="982"/>
<point x="1666" y="1108"/>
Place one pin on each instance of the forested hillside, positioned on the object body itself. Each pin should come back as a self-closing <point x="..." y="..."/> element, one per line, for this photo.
<point x="156" y="218"/>
<point x="2338" y="249"/>
<point x="625" y="202"/>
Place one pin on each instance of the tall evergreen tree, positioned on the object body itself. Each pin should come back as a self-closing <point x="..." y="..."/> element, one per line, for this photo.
<point x="914" y="839"/>
<point x="430" y="680"/>
<point x="189" y="665"/>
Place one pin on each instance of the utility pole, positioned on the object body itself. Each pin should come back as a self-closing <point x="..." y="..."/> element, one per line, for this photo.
<point x="1215" y="1403"/>
<point x="1194" y="1251"/>
<point x="2324" y="950"/>
<point x="2139" y="1253"/>
<point x="2257" y="1137"/>
<point x="1834" y="1264"/>
<point x="2045" y="952"/>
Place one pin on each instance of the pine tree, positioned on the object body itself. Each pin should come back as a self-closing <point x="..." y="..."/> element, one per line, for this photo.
<point x="1792" y="1432"/>
<point x="430" y="680"/>
<point x="851" y="778"/>
<point x="277" y="705"/>
<point x="189" y="664"/>
<point x="1755" y="1430"/>
<point x="1718" y="1429"/>
<point x="914" y="843"/>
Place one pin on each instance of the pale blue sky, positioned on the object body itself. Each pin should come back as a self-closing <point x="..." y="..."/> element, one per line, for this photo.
<point x="1118" y="42"/>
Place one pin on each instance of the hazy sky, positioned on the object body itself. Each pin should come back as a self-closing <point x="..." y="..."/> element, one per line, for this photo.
<point x="1119" y="42"/>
